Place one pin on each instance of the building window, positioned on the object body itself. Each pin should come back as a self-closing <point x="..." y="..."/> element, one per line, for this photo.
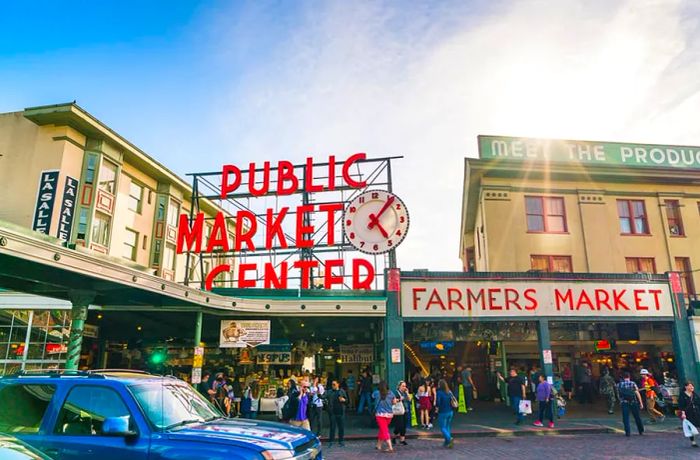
<point x="169" y="257"/>
<point x="173" y="211"/>
<point x="135" y="197"/>
<point x="546" y="263"/>
<point x="673" y="215"/>
<point x="640" y="265"/>
<point x="470" y="256"/>
<point x="157" y="247"/>
<point x="545" y="214"/>
<point x="160" y="210"/>
<point x="633" y="217"/>
<point x="108" y="176"/>
<point x="100" y="229"/>
<point x="131" y="239"/>
<point x="90" y="169"/>
<point x="82" y="224"/>
<point x="686" y="273"/>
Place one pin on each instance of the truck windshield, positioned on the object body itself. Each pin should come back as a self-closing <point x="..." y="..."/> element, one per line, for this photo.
<point x="168" y="405"/>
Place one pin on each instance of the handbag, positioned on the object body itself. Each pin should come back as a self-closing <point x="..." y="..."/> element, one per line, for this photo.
<point x="525" y="407"/>
<point x="398" y="408"/>
<point x="453" y="401"/>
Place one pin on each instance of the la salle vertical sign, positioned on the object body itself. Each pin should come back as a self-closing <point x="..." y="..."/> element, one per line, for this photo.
<point x="65" y="221"/>
<point x="45" y="199"/>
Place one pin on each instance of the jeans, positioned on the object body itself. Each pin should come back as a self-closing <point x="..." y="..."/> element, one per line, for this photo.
<point x="544" y="409"/>
<point x="468" y="395"/>
<point x="626" y="409"/>
<point x="515" y="403"/>
<point x="337" y="421"/>
<point x="445" y="422"/>
<point x="365" y="400"/>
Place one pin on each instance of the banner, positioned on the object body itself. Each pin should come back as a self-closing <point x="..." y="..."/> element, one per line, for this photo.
<point x="532" y="299"/>
<point x="357" y="354"/>
<point x="45" y="199"/>
<point x="241" y="334"/>
<point x="589" y="152"/>
<point x="65" y="220"/>
<point x="274" y="357"/>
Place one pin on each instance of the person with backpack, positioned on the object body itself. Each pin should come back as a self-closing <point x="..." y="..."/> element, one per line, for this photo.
<point x="689" y="406"/>
<point x="445" y="404"/>
<point x="337" y="399"/>
<point x="384" y="414"/>
<point x="630" y="401"/>
<point x="543" y="393"/>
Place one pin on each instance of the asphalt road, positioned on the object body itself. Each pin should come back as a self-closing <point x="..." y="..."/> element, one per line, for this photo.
<point x="652" y="446"/>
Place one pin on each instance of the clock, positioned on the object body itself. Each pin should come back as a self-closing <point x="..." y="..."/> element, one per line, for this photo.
<point x="375" y="222"/>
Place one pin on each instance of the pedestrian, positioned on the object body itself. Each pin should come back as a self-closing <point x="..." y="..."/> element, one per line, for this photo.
<point x="469" y="387"/>
<point x="204" y="387"/>
<point x="607" y="389"/>
<point x="651" y="388"/>
<point x="630" y="401"/>
<point x="401" y="420"/>
<point x="254" y="396"/>
<point x="280" y="401"/>
<point x="516" y="392"/>
<point x="689" y="405"/>
<point x="534" y="378"/>
<point x="365" y="398"/>
<point x="425" y="404"/>
<point x="543" y="393"/>
<point x="586" y="384"/>
<point x="568" y="379"/>
<point x="351" y="384"/>
<point x="445" y="410"/>
<point x="384" y="413"/>
<point x="316" y="392"/>
<point x="337" y="399"/>
<point x="221" y="394"/>
<point x="300" y="417"/>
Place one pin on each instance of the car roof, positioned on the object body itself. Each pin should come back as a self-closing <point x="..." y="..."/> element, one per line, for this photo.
<point x="121" y="375"/>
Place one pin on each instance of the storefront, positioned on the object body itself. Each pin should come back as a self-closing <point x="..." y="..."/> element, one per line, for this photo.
<point x="496" y="321"/>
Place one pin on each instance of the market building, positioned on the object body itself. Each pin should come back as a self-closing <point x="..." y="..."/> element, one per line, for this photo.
<point x="606" y="229"/>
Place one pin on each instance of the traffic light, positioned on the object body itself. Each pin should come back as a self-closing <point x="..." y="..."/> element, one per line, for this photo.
<point x="158" y="356"/>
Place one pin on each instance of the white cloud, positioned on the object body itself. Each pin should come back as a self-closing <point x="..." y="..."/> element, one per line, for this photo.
<point x="422" y="81"/>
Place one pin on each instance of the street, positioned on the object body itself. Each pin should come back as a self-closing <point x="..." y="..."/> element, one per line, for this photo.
<point x="591" y="447"/>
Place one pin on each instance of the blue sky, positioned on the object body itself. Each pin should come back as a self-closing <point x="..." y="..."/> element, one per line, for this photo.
<point x="200" y="84"/>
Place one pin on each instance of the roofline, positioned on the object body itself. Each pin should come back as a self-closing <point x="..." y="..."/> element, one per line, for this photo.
<point x="587" y="141"/>
<point x="73" y="110"/>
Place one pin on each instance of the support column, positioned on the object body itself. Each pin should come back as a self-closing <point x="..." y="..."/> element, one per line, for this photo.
<point x="393" y="329"/>
<point x="546" y="357"/>
<point x="80" y="300"/>
<point x="504" y="372"/>
<point x="198" y="329"/>
<point x="683" y="346"/>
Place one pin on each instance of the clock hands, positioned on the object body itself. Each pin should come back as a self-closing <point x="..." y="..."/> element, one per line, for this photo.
<point x="374" y="219"/>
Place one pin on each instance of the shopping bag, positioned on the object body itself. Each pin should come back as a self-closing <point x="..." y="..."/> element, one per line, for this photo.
<point x="561" y="412"/>
<point x="525" y="407"/>
<point x="689" y="429"/>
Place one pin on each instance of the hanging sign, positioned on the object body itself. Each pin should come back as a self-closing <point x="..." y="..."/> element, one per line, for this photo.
<point x="241" y="334"/>
<point x="45" y="199"/>
<point x="65" y="220"/>
<point x="357" y="354"/>
<point x="395" y="355"/>
<point x="274" y="357"/>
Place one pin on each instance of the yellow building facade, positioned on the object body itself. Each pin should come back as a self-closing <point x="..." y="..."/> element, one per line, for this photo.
<point x="559" y="210"/>
<point x="70" y="176"/>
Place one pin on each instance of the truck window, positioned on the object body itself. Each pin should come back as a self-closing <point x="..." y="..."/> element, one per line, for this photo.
<point x="23" y="407"/>
<point x="86" y="408"/>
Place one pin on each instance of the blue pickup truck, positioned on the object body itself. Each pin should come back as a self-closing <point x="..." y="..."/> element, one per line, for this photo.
<point x="115" y="415"/>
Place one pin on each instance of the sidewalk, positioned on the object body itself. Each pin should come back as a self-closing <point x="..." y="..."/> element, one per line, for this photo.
<point x="496" y="420"/>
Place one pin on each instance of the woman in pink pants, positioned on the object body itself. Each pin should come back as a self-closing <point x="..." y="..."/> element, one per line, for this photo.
<point x="385" y="399"/>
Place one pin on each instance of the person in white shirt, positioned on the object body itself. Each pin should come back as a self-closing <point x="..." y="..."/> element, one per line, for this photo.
<point x="316" y="391"/>
<point x="280" y="400"/>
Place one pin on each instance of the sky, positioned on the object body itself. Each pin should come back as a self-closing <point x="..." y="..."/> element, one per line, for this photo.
<point x="200" y="84"/>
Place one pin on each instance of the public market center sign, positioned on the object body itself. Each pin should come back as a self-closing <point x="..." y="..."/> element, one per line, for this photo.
<point x="589" y="152"/>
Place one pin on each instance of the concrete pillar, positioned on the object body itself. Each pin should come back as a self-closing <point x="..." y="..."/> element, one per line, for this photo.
<point x="393" y="330"/>
<point x="546" y="357"/>
<point x="80" y="300"/>
<point x="198" y="329"/>
<point x="683" y="346"/>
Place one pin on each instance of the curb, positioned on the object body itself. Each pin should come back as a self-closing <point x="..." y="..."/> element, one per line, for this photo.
<point x="491" y="433"/>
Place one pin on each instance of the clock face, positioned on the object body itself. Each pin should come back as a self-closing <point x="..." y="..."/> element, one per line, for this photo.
<point x="376" y="221"/>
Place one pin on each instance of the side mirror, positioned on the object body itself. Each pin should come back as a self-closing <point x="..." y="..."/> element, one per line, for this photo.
<point x="117" y="426"/>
